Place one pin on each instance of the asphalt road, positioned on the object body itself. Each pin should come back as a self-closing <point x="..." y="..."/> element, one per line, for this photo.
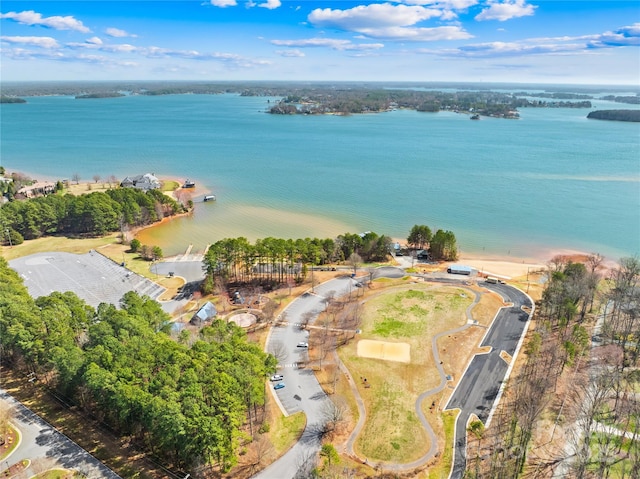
<point x="480" y="385"/>
<point x="40" y="440"/>
<point x="302" y="392"/>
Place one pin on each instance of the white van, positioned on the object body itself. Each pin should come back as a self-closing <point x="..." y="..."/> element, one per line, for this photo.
<point x="492" y="280"/>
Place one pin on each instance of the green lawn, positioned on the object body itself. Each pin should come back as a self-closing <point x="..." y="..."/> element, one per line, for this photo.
<point x="413" y="314"/>
<point x="285" y="431"/>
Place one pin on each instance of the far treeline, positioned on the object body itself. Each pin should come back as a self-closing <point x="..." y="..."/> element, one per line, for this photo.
<point x="352" y="101"/>
<point x="94" y="214"/>
<point x="187" y="401"/>
<point x="339" y="97"/>
<point x="274" y="261"/>
<point x="615" y="115"/>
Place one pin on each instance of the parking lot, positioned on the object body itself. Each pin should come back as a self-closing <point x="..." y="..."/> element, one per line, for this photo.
<point x="92" y="276"/>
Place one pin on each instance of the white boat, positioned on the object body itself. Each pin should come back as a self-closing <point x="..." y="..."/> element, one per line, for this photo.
<point x="210" y="198"/>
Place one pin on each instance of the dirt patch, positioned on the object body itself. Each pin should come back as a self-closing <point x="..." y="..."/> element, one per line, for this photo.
<point x="244" y="320"/>
<point x="456" y="351"/>
<point x="385" y="350"/>
<point x="487" y="308"/>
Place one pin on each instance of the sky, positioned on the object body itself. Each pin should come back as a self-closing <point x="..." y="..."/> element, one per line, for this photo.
<point x="512" y="41"/>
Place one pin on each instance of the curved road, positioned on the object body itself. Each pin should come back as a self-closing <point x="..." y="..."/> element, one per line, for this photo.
<point x="476" y="393"/>
<point x="480" y="387"/>
<point x="40" y="440"/>
<point x="302" y="392"/>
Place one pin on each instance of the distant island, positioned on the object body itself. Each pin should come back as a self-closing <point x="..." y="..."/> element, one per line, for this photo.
<point x="11" y="99"/>
<point x="107" y="94"/>
<point x="615" y="115"/>
<point x="499" y="100"/>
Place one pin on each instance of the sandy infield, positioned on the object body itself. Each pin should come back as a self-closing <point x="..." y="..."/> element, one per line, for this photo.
<point x="368" y="348"/>
<point x="244" y="320"/>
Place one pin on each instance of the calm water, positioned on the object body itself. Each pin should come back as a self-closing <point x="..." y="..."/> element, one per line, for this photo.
<point x="551" y="180"/>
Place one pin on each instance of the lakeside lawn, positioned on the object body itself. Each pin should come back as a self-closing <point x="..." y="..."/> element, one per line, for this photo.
<point x="57" y="243"/>
<point x="413" y="314"/>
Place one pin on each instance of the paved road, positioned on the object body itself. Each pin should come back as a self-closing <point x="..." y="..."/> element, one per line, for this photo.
<point x="40" y="440"/>
<point x="480" y="386"/>
<point x="302" y="392"/>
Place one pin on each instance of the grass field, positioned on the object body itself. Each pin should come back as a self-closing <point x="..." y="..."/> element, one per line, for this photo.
<point x="412" y="314"/>
<point x="57" y="243"/>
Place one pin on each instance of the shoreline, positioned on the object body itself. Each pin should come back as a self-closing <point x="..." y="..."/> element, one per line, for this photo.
<point x="501" y="265"/>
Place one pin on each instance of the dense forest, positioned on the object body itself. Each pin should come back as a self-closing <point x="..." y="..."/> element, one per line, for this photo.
<point x="615" y="115"/>
<point x="186" y="401"/>
<point x="93" y="214"/>
<point x="274" y="261"/>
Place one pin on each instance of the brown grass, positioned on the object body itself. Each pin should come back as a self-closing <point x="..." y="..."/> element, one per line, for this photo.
<point x="412" y="313"/>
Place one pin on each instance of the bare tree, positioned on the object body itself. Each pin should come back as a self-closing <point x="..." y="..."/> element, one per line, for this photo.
<point x="354" y="261"/>
<point x="590" y="393"/>
<point x="333" y="413"/>
<point x="96" y="178"/>
<point x="260" y="451"/>
<point x="305" y="319"/>
<point x="278" y="349"/>
<point x="76" y="177"/>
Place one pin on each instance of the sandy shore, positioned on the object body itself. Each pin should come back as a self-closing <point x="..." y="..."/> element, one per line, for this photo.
<point x="502" y="268"/>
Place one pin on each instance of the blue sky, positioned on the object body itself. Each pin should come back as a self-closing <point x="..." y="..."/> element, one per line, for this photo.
<point x="526" y="41"/>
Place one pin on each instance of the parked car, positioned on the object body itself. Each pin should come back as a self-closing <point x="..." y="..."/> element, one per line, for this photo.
<point x="303" y="345"/>
<point x="276" y="377"/>
<point x="278" y="386"/>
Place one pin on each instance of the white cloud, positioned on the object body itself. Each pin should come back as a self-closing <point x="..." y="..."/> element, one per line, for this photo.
<point x="159" y="52"/>
<point x="419" y="34"/>
<point x="496" y="49"/>
<point x="224" y="3"/>
<point x="29" y="17"/>
<point x="270" y="4"/>
<point x="625" y="36"/>
<point x="24" y="54"/>
<point x="390" y="22"/>
<point x="43" y="42"/>
<point x="448" y="4"/>
<point x="105" y="47"/>
<point x="371" y="16"/>
<point x="117" y="33"/>
<point x="94" y="40"/>
<point x="332" y="43"/>
<point x="290" y="53"/>
<point x="506" y="10"/>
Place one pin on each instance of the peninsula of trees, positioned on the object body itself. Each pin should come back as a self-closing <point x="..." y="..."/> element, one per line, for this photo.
<point x="615" y="115"/>
<point x="93" y="214"/>
<point x="11" y="99"/>
<point x="108" y="94"/>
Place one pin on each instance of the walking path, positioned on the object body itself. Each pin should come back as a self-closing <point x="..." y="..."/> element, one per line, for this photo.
<point x="433" y="440"/>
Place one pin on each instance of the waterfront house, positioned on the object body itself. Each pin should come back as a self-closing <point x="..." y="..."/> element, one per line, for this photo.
<point x="39" y="188"/>
<point x="144" y="182"/>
